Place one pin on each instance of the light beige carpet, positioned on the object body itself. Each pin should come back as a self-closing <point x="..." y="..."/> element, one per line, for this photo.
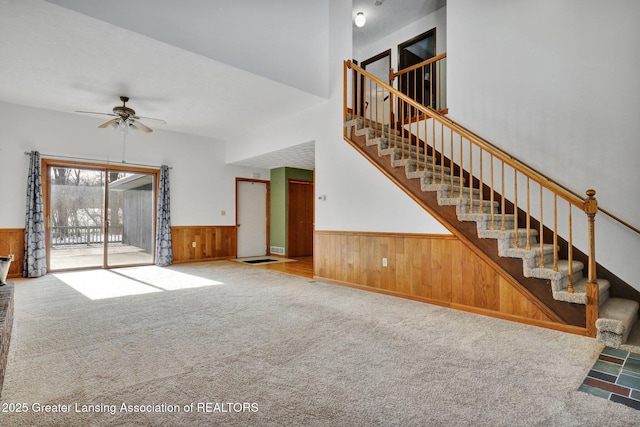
<point x="274" y="349"/>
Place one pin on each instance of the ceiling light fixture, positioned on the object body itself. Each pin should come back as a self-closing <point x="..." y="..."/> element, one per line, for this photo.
<point x="360" y="19"/>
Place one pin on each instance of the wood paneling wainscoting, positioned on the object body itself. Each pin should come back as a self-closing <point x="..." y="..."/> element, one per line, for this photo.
<point x="15" y="238"/>
<point x="437" y="269"/>
<point x="212" y="242"/>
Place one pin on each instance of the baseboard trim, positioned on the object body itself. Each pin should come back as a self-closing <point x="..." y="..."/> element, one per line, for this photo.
<point x="461" y="307"/>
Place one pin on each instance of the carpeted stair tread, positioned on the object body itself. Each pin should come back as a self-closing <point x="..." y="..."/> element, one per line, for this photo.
<point x="579" y="295"/>
<point x="615" y="320"/>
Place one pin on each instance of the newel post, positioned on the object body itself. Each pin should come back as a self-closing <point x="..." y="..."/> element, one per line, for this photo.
<point x="593" y="295"/>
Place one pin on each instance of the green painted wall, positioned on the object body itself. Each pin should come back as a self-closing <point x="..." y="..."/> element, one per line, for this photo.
<point x="280" y="202"/>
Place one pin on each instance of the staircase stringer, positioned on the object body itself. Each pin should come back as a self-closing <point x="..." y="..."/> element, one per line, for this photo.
<point x="569" y="317"/>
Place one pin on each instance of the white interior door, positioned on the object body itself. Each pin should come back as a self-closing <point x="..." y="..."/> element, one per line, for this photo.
<point x="252" y="219"/>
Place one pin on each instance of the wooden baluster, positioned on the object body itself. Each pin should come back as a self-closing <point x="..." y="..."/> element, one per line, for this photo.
<point x="417" y="143"/>
<point x="392" y="123"/>
<point x="451" y="157"/>
<point x="555" y="232"/>
<point x="503" y="201"/>
<point x="415" y="91"/>
<point x="441" y="152"/>
<point x="433" y="151"/>
<point x="481" y="196"/>
<point x="492" y="193"/>
<point x="376" y="115"/>
<point x="384" y="118"/>
<point x="528" y="214"/>
<point x="430" y="85"/>
<point x="425" y="145"/>
<point x="404" y="107"/>
<point x="439" y="88"/>
<point x="471" y="178"/>
<point x="515" y="209"/>
<point x="591" y="208"/>
<point x="570" y="249"/>
<point x="344" y="95"/>
<point x="368" y="103"/>
<point x="541" y="235"/>
<point x="391" y="117"/>
<point x="461" y="169"/>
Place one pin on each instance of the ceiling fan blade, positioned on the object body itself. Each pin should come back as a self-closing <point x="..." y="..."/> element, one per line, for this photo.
<point x="150" y="118"/>
<point x="141" y="127"/>
<point x="93" y="112"/>
<point x="107" y="123"/>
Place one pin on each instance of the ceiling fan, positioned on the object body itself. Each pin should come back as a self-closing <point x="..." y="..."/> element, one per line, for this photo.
<point x="124" y="118"/>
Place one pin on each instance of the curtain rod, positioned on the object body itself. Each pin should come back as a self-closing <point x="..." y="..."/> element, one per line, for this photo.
<point x="27" y="153"/>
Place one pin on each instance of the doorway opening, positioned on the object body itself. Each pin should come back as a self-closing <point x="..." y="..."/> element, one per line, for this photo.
<point x="419" y="84"/>
<point x="373" y="97"/>
<point x="252" y="218"/>
<point x="99" y="216"/>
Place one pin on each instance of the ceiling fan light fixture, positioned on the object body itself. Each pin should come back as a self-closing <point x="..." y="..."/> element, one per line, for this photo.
<point x="360" y="20"/>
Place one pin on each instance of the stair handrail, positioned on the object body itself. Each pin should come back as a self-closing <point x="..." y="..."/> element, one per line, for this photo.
<point x="451" y="123"/>
<point x="414" y="109"/>
<point x="600" y="208"/>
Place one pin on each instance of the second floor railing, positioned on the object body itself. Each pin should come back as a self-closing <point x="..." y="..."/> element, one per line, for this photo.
<point x="424" y="82"/>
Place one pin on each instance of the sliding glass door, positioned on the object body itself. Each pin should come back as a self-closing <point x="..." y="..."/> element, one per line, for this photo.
<point x="76" y="212"/>
<point x="99" y="217"/>
<point x="130" y="218"/>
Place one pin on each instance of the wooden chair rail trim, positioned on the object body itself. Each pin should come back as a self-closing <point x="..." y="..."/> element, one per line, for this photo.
<point x="185" y="227"/>
<point x="542" y="307"/>
<point x="461" y="307"/>
<point x="388" y="234"/>
<point x="436" y="58"/>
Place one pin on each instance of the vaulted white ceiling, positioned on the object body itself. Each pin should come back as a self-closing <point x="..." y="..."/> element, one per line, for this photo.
<point x="208" y="67"/>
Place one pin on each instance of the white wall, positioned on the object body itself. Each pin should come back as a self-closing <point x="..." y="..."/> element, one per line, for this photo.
<point x="358" y="196"/>
<point x="202" y="185"/>
<point x="555" y="83"/>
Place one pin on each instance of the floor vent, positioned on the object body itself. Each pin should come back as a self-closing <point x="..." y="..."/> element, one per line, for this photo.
<point x="277" y="250"/>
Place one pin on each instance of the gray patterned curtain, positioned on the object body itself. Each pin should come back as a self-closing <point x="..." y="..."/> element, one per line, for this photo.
<point x="164" y="252"/>
<point x="35" y="254"/>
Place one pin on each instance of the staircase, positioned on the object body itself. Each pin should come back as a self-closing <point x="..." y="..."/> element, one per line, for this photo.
<point x="412" y="155"/>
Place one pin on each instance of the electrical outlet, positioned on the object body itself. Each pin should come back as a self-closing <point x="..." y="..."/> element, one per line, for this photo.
<point x="223" y="213"/>
<point x="384" y="262"/>
<point x="193" y="244"/>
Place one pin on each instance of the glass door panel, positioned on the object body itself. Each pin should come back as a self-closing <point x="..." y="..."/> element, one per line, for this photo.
<point x="76" y="218"/>
<point x="130" y="218"/>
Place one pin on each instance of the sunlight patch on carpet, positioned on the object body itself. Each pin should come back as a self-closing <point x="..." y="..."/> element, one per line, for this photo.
<point x="104" y="284"/>
<point x="169" y="280"/>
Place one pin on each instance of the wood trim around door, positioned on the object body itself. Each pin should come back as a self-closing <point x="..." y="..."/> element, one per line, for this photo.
<point x="46" y="163"/>
<point x="268" y="213"/>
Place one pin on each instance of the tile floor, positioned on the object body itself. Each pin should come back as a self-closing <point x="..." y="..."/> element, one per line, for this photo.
<point x="615" y="376"/>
